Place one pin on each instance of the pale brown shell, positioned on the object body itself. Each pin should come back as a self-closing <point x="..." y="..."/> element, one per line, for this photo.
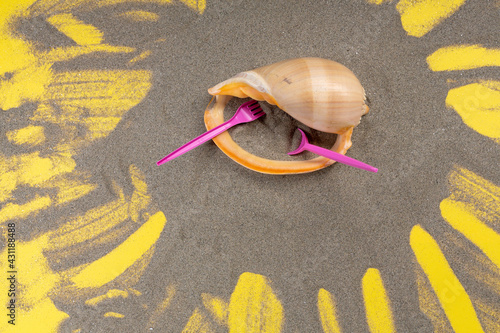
<point x="320" y="93"/>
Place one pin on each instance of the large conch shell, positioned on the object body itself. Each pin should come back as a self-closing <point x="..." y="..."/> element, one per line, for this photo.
<point x="320" y="93"/>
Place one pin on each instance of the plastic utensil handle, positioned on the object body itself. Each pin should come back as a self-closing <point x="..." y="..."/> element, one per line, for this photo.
<point x="340" y="158"/>
<point x="196" y="142"/>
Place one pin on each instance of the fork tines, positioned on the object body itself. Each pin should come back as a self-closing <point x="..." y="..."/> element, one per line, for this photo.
<point x="255" y="108"/>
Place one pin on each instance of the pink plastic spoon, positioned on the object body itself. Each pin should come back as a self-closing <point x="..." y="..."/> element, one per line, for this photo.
<point x="305" y="145"/>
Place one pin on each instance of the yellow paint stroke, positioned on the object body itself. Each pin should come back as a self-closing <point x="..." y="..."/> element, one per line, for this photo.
<point x="100" y="127"/>
<point x="133" y="274"/>
<point x="450" y="292"/>
<point x="462" y="219"/>
<point x="13" y="51"/>
<point x="26" y="170"/>
<point x="474" y="263"/>
<point x="113" y="315"/>
<point x="111" y="294"/>
<point x="489" y="314"/>
<point x="29" y="135"/>
<point x="92" y="224"/>
<point x="378" y="2"/>
<point x="8" y="182"/>
<point x="101" y="92"/>
<point x="38" y="283"/>
<point x="479" y="106"/>
<point x="69" y="187"/>
<point x="473" y="209"/>
<point x="217" y="307"/>
<point x="254" y="307"/>
<point x="197" y="5"/>
<point x="35" y="310"/>
<point x="114" y="263"/>
<point x="170" y="291"/>
<point x="418" y="17"/>
<point x="55" y="6"/>
<point x="462" y="57"/>
<point x="98" y="221"/>
<point x="81" y="33"/>
<point x="94" y="99"/>
<point x="71" y="52"/>
<point x="44" y="317"/>
<point x="12" y="8"/>
<point x="482" y="195"/>
<point x="140" y="16"/>
<point x="135" y="291"/>
<point x="429" y="304"/>
<point x="13" y="211"/>
<point x="198" y="323"/>
<point x="113" y="236"/>
<point x="328" y="312"/>
<point x="34" y="171"/>
<point x="38" y="276"/>
<point x="140" y="57"/>
<point x="29" y="80"/>
<point x="377" y="305"/>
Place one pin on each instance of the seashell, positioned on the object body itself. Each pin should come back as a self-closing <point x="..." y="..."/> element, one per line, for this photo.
<point x="319" y="93"/>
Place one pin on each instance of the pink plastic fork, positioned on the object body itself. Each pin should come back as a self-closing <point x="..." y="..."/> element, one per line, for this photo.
<point x="305" y="145"/>
<point x="247" y="112"/>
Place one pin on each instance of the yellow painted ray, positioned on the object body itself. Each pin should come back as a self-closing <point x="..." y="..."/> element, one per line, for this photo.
<point x="462" y="219"/>
<point x="29" y="135"/>
<point x="463" y="57"/>
<point x="418" y="17"/>
<point x="217" y="307"/>
<point x="198" y="323"/>
<point x="140" y="16"/>
<point x="482" y="195"/>
<point x="140" y="57"/>
<point x="378" y="2"/>
<point x="113" y="315"/>
<point x="34" y="282"/>
<point x="112" y="293"/>
<point x="479" y="106"/>
<point x="451" y="294"/>
<point x="78" y="31"/>
<point x="62" y="6"/>
<point x="328" y="312"/>
<point x="110" y="266"/>
<point x="197" y="5"/>
<point x="105" y="97"/>
<point x="490" y="315"/>
<point x="40" y="172"/>
<point x="474" y="263"/>
<point x="13" y="211"/>
<point x="69" y="187"/>
<point x="170" y="291"/>
<point x="429" y="303"/>
<point x="43" y="317"/>
<point x="99" y="92"/>
<point x="29" y="78"/>
<point x="40" y="284"/>
<point x="254" y="307"/>
<point x="377" y="305"/>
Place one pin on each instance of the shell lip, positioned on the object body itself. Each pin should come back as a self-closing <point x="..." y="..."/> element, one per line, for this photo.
<point x="214" y="117"/>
